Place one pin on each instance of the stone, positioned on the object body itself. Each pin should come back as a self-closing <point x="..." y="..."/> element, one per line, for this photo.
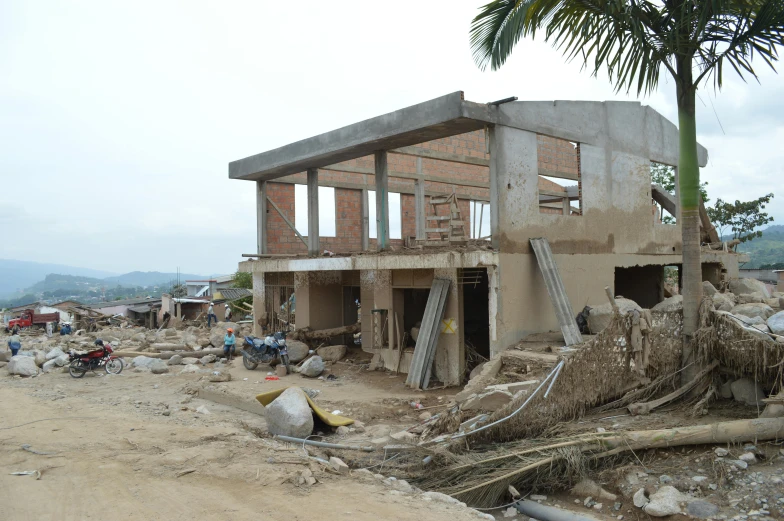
<point x="708" y="289"/>
<point x="402" y="485"/>
<point x="40" y="358"/>
<point x="738" y="464"/>
<point x="748" y="298"/>
<point x="297" y="350"/>
<point x="640" y="499"/>
<point x="510" y="512"/>
<point x="490" y="401"/>
<point x="54" y="353"/>
<point x="289" y="414"/>
<point x="747" y="285"/>
<point x="665" y="502"/>
<point x="48" y="366"/>
<point x="201" y="409"/>
<point x="748" y="392"/>
<point x="190" y="368"/>
<point x="219" y="376"/>
<point x="332" y="353"/>
<point x="702" y="509"/>
<point x="342" y="431"/>
<point x="664" y="478"/>
<point x="722" y="302"/>
<point x="753" y="309"/>
<point x="203" y="341"/>
<point x="478" y="382"/>
<point x="312" y="367"/>
<point x="475" y="371"/>
<point x="776" y="323"/>
<point x="188" y="360"/>
<point x="588" y="487"/>
<point x="599" y="316"/>
<point x="139" y="337"/>
<point x="425" y="416"/>
<point x="63" y="360"/>
<point x="670" y="305"/>
<point x="143" y="361"/>
<point x="174" y="360"/>
<point x="442" y="498"/>
<point x="22" y="365"/>
<point x="207" y="359"/>
<point x="721" y="452"/>
<point x="170" y="333"/>
<point x="339" y="465"/>
<point x="404" y="436"/>
<point x="748" y="457"/>
<point x="158" y="367"/>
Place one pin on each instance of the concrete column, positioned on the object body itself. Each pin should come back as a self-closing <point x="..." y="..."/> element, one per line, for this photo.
<point x="259" y="296"/>
<point x="493" y="146"/>
<point x="419" y="200"/>
<point x="365" y="221"/>
<point x="450" y="352"/>
<point x="261" y="217"/>
<point x="382" y="200"/>
<point x="313" y="213"/>
<point x="302" y="295"/>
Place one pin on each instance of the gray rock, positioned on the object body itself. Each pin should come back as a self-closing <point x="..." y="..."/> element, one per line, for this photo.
<point x="297" y="350"/>
<point x="170" y="333"/>
<point x="747" y="298"/>
<point x="748" y="392"/>
<point x="665" y="502"/>
<point x="490" y="401"/>
<point x="746" y="285"/>
<point x="143" y="361"/>
<point x="725" y="391"/>
<point x="190" y="368"/>
<point x="600" y="316"/>
<point x="289" y="414"/>
<point x="61" y="361"/>
<point x="748" y="457"/>
<point x="776" y="323"/>
<point x="708" y="289"/>
<point x="702" y="509"/>
<point x="664" y="478"/>
<point x="48" y="366"/>
<point x="40" y="358"/>
<point x="738" y="463"/>
<point x="208" y="359"/>
<point x="139" y="337"/>
<point x="672" y="304"/>
<point x="158" y="367"/>
<point x="22" y="365"/>
<point x="331" y="353"/>
<point x="721" y="452"/>
<point x="640" y="499"/>
<point x="219" y="331"/>
<point x="54" y="353"/>
<point x="174" y="360"/>
<point x="312" y="367"/>
<point x="722" y="302"/>
<point x="753" y="310"/>
<point x="220" y="376"/>
<point x="189" y="360"/>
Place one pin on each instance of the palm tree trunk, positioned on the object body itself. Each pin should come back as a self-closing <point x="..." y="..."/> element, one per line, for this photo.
<point x="689" y="183"/>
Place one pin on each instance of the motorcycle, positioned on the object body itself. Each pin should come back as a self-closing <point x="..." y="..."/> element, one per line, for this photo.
<point x="271" y="348"/>
<point x="82" y="362"/>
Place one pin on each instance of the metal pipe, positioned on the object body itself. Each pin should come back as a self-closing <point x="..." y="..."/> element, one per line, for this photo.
<point x="324" y="445"/>
<point x="547" y="513"/>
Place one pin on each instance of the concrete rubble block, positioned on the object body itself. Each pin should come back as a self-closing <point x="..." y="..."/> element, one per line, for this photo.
<point x="174" y="360"/>
<point x="723" y="302"/>
<point x="600" y="316"/>
<point x="753" y="309"/>
<point x="708" y="289"/>
<point x="189" y="360"/>
<point x="54" y="353"/>
<point x="672" y="304"/>
<point x="220" y="376"/>
<point x="490" y="401"/>
<point x="289" y="414"/>
<point x="297" y="350"/>
<point x="312" y="367"/>
<point x="748" y="392"/>
<point x="331" y="353"/>
<point x="489" y="371"/>
<point x="746" y="285"/>
<point x="665" y="502"/>
<point x="339" y="465"/>
<point x="776" y="323"/>
<point x="22" y="365"/>
<point x="158" y="366"/>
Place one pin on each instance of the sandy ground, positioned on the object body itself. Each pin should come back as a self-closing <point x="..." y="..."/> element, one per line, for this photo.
<point x="118" y="444"/>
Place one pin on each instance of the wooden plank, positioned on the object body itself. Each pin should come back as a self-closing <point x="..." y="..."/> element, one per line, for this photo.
<point x="286" y="220"/>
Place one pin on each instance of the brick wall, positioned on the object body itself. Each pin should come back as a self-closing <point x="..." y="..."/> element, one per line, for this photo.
<point x="555" y="155"/>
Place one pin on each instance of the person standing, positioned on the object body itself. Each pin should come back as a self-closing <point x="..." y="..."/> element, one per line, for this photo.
<point x="211" y="315"/>
<point x="15" y="343"/>
<point x="229" y="341"/>
<point x="228" y="313"/>
<point x="49" y="329"/>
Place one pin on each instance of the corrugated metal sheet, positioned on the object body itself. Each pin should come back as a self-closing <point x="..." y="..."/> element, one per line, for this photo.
<point x="427" y="341"/>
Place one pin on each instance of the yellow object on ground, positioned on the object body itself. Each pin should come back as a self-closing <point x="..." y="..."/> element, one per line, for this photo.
<point x="333" y="420"/>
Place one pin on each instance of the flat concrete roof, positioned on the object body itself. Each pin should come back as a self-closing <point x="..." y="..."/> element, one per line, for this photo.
<point x="446" y="116"/>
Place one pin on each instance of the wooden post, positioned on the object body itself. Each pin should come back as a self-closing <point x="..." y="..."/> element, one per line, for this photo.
<point x="365" y="221"/>
<point x="313" y="213"/>
<point x="382" y="200"/>
<point x="419" y="200"/>
<point x="261" y="217"/>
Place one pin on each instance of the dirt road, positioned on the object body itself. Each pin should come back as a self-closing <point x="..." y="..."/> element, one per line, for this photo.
<point x="119" y="443"/>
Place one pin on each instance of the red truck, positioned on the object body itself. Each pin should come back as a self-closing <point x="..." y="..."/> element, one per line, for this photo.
<point x="29" y="318"/>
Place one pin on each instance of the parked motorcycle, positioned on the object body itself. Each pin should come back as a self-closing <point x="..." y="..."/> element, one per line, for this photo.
<point x="92" y="360"/>
<point x="271" y="348"/>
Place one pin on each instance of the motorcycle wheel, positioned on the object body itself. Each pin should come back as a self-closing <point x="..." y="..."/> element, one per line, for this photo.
<point x="285" y="359"/>
<point x="77" y="369"/>
<point x="250" y="366"/>
<point x="113" y="366"/>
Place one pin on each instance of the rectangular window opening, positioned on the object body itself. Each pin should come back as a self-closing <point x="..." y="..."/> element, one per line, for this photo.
<point x="327" y="220"/>
<point x="395" y="215"/>
<point x="559" y="183"/>
<point x="663" y="206"/>
<point x="480" y="220"/>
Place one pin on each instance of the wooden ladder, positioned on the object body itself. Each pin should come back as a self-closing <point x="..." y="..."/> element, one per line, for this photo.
<point x="450" y="228"/>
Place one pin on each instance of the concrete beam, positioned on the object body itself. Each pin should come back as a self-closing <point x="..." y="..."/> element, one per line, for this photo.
<point x="313" y="213"/>
<point x="261" y="217"/>
<point x="382" y="200"/>
<point x="441" y="156"/>
<point x="434" y="119"/>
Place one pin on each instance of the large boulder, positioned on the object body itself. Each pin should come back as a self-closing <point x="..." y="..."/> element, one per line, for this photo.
<point x="62" y="360"/>
<point x="297" y="350"/>
<point x="746" y="298"/>
<point x="219" y="331"/>
<point x="674" y="303"/>
<point x="741" y="286"/>
<point x="40" y="358"/>
<point x="776" y="323"/>
<point x="708" y="289"/>
<point x="174" y="360"/>
<point x="289" y="414"/>
<point x="665" y="502"/>
<point x="748" y="392"/>
<point x="753" y="309"/>
<point x="142" y="361"/>
<point x="600" y="316"/>
<point x="312" y="367"/>
<point x="189" y="360"/>
<point x="48" y="366"/>
<point x="723" y="302"/>
<point x="54" y="353"/>
<point x="331" y="353"/>
<point x="22" y="365"/>
<point x="158" y="366"/>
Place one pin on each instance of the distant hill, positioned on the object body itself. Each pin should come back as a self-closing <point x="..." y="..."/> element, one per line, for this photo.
<point x="17" y="275"/>
<point x="149" y="278"/>
<point x="768" y="249"/>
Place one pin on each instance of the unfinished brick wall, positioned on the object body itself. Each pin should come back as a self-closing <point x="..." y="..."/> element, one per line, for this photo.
<point x="554" y="155"/>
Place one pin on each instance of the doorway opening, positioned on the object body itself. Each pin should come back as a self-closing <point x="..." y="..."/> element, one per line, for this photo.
<point x="642" y="284"/>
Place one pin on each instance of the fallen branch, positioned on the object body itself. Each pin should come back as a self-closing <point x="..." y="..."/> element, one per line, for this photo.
<point x="647" y="407"/>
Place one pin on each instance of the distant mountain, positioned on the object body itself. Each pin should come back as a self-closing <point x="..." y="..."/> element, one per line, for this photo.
<point x="150" y="278"/>
<point x="768" y="249"/>
<point x="17" y="275"/>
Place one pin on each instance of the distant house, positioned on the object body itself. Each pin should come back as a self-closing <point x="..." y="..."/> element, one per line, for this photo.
<point x="15" y="312"/>
<point x="63" y="307"/>
<point x="208" y="287"/>
<point x="766" y="276"/>
<point x="122" y="307"/>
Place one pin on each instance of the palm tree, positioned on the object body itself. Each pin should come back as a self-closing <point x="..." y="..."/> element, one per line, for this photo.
<point x="693" y="40"/>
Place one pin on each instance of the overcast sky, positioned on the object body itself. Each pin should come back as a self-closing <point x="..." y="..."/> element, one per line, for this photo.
<point x="118" y="119"/>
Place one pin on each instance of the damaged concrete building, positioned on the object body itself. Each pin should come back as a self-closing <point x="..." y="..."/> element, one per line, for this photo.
<point x="576" y="173"/>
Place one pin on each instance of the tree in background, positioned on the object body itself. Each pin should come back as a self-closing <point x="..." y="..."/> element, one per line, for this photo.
<point x="633" y="41"/>
<point x="741" y="217"/>
<point x="243" y="280"/>
<point x="664" y="176"/>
